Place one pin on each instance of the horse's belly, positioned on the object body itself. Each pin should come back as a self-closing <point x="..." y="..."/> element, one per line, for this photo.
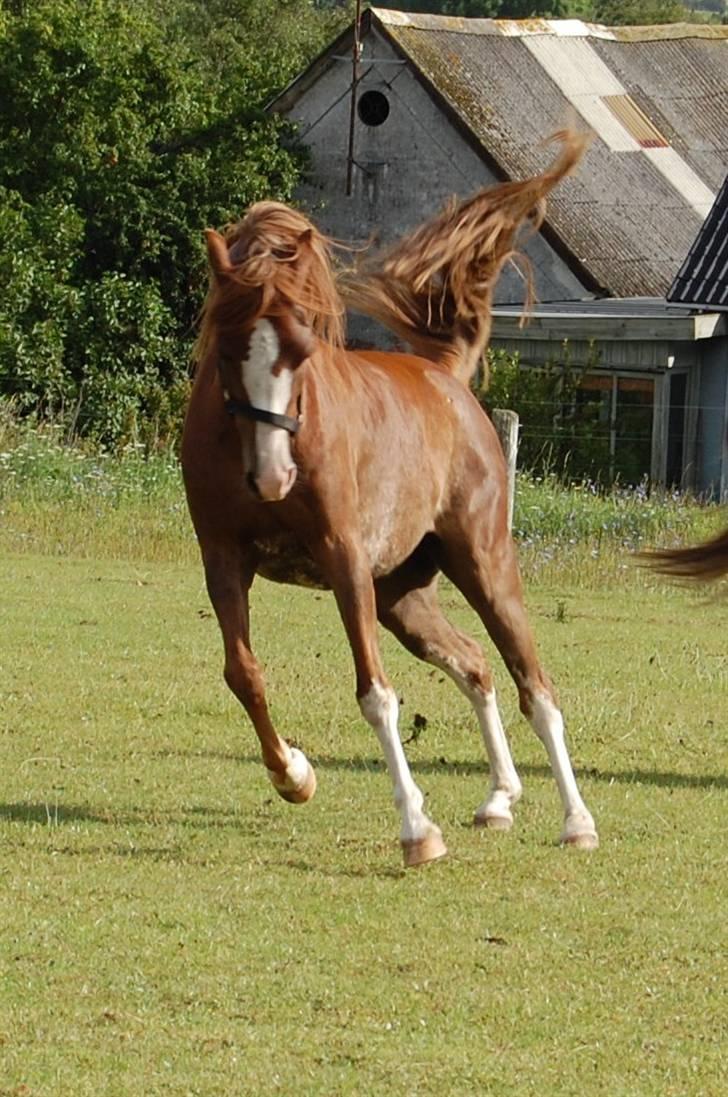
<point x="391" y="533"/>
<point x="284" y="560"/>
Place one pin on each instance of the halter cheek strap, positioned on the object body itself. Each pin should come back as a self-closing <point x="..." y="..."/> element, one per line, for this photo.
<point x="262" y="415"/>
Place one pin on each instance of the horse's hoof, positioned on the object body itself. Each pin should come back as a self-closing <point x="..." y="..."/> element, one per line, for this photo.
<point x="587" y="840"/>
<point x="299" y="783"/>
<point x="420" y="851"/>
<point x="579" y="832"/>
<point x="495" y="811"/>
<point x="493" y="822"/>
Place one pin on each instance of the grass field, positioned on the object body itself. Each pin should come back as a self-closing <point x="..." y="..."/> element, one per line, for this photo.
<point x="170" y="927"/>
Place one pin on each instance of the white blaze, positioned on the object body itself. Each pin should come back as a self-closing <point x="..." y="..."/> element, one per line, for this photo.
<point x="271" y="392"/>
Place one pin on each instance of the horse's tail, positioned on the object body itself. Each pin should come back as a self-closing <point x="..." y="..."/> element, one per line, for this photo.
<point x="708" y="560"/>
<point x="434" y="287"/>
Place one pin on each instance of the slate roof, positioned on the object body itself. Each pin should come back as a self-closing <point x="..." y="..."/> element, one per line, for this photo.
<point x="702" y="281"/>
<point x="655" y="97"/>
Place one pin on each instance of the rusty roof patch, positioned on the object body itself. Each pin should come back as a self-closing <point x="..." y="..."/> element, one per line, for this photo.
<point x="635" y="121"/>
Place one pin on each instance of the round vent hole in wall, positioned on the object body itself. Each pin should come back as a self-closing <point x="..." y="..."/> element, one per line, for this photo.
<point x="373" y="108"/>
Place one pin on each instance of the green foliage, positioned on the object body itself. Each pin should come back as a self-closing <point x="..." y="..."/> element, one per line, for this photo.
<point x="561" y="430"/>
<point x="485" y="9"/>
<point x="550" y="513"/>
<point x="616" y="13"/>
<point x="125" y="129"/>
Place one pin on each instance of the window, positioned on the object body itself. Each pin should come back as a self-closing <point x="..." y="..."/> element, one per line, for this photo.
<point x="373" y="108"/>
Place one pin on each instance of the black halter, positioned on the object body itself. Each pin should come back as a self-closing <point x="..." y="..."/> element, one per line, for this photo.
<point x="261" y="415"/>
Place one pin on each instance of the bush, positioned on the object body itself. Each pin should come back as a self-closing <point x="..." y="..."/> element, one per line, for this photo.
<point x="561" y="430"/>
<point x="125" y="129"/>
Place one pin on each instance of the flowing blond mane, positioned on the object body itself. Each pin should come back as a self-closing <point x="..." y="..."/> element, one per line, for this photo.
<point x="434" y="287"/>
<point x="278" y="260"/>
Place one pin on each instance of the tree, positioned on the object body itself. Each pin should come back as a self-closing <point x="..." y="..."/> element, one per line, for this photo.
<point x="645" y="13"/>
<point x="484" y="9"/>
<point x="125" y="128"/>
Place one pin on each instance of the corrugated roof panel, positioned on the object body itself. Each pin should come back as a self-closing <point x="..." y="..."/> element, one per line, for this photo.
<point x="587" y="83"/>
<point x="631" y="212"/>
<point x="682" y="176"/>
<point x="575" y="65"/>
<point x="682" y="86"/>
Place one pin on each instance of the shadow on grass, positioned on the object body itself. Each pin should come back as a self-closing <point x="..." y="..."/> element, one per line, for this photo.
<point x="54" y="820"/>
<point x="475" y="768"/>
<point x="471" y="767"/>
<point x="55" y="815"/>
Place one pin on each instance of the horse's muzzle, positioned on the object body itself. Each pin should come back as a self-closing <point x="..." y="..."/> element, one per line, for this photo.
<point x="272" y="485"/>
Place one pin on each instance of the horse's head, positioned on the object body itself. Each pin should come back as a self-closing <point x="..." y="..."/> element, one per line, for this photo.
<point x="272" y="293"/>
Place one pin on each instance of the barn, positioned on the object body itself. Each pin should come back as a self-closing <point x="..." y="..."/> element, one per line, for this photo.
<point x="402" y="111"/>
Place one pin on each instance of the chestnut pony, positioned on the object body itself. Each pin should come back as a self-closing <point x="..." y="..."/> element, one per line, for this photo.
<point x="369" y="474"/>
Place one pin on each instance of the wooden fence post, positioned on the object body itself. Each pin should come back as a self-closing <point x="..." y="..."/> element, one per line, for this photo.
<point x="506" y="425"/>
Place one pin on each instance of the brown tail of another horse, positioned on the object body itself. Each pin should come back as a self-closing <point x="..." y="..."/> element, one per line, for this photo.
<point x="708" y="560"/>
<point x="434" y="287"/>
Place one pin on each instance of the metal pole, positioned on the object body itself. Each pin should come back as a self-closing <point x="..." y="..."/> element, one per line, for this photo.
<point x="356" y="56"/>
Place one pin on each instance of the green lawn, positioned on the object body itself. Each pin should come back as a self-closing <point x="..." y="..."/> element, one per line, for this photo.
<point x="170" y="927"/>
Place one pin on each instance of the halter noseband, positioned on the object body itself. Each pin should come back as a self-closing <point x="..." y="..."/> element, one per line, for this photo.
<point x="261" y="415"/>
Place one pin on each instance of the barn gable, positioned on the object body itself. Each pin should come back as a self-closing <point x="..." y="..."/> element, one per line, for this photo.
<point x="443" y="106"/>
<point x="469" y="101"/>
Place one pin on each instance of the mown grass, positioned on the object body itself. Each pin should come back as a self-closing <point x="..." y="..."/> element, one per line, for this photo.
<point x="170" y="927"/>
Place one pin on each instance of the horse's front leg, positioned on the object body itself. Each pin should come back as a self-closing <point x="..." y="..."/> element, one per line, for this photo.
<point x="350" y="578"/>
<point x="229" y="574"/>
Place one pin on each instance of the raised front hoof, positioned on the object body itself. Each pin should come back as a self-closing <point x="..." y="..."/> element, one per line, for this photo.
<point x="299" y="784"/>
<point x="420" y="851"/>
<point x="302" y="794"/>
<point x="493" y="822"/>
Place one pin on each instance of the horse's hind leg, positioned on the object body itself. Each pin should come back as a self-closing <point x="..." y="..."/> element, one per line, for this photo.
<point x="229" y="574"/>
<point x="487" y="574"/>
<point x="415" y="618"/>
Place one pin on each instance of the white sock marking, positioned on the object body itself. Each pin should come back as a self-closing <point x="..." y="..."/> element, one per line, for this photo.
<point x="505" y="784"/>
<point x="379" y="707"/>
<point x="548" y="724"/>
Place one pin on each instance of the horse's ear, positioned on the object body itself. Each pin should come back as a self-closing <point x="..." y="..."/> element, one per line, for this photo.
<point x="217" y="253"/>
<point x="305" y="253"/>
